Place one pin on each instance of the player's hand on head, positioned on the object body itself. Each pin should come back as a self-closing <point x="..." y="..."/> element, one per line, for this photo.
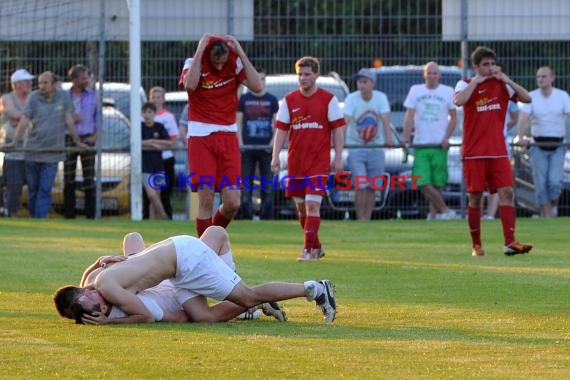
<point x="96" y="318"/>
<point x="233" y="43"/>
<point x="204" y="41"/>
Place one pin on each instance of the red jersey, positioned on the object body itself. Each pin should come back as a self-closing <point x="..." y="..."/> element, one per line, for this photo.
<point x="214" y="101"/>
<point x="484" y="119"/>
<point x="310" y="121"/>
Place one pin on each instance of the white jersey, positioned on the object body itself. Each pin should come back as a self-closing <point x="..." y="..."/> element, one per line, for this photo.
<point x="158" y="299"/>
<point x="431" y="112"/>
<point x="548" y="114"/>
<point x="168" y="119"/>
<point x="363" y="115"/>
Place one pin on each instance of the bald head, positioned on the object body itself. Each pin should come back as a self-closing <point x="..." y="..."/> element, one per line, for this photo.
<point x="46" y="82"/>
<point x="431" y="74"/>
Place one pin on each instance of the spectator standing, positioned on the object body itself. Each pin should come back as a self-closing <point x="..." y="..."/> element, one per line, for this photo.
<point x="154" y="139"/>
<point x="511" y="121"/>
<point x="431" y="115"/>
<point x="366" y="112"/>
<point x="309" y="116"/>
<point x="168" y="120"/>
<point x="85" y="115"/>
<point x="49" y="112"/>
<point x="14" y="168"/>
<point x="219" y="66"/>
<point x="485" y="98"/>
<point x="547" y="116"/>
<point x="255" y="120"/>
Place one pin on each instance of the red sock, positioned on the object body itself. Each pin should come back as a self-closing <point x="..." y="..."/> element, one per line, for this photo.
<point x="316" y="242"/>
<point x="220" y="220"/>
<point x="508" y="219"/>
<point x="311" y="231"/>
<point x="202" y="225"/>
<point x="474" y="222"/>
<point x="302" y="220"/>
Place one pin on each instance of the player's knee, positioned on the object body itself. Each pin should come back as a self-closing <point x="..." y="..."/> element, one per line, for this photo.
<point x="232" y="205"/>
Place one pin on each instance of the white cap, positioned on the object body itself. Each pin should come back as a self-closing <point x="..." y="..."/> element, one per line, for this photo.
<point x="20" y="75"/>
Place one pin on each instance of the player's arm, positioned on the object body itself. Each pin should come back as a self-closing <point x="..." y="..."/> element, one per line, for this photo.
<point x="521" y="92"/>
<point x="278" y="143"/>
<point x="253" y="82"/>
<point x="338" y="142"/>
<point x="461" y="97"/>
<point x="239" y="122"/>
<point x="101" y="262"/>
<point x="128" y="302"/>
<point x="192" y="78"/>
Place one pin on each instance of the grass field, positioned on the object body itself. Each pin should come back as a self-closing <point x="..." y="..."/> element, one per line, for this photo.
<point x="412" y="303"/>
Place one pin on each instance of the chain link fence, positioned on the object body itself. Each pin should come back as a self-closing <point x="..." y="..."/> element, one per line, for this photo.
<point x="346" y="35"/>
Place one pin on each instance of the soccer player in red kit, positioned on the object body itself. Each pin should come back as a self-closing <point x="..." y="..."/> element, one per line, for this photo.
<point x="212" y="78"/>
<point x="485" y="160"/>
<point x="308" y="116"/>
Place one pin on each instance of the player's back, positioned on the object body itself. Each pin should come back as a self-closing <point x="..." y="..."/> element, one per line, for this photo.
<point x="142" y="270"/>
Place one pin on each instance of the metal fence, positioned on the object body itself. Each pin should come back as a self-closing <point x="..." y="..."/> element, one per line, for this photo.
<point x="346" y="35"/>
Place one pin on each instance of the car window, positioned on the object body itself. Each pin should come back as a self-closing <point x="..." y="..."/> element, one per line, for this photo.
<point x="116" y="132"/>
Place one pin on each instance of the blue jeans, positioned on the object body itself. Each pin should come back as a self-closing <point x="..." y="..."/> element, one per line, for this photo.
<point x="547" y="171"/>
<point x="15" y="176"/>
<point x="249" y="159"/>
<point x="40" y="177"/>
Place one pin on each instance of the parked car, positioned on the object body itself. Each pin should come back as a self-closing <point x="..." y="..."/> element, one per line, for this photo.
<point x="115" y="169"/>
<point x="525" y="198"/>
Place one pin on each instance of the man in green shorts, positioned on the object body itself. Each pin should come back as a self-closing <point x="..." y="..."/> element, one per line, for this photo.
<point x="430" y="113"/>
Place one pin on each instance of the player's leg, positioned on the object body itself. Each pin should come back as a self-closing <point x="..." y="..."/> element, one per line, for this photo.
<point x="322" y="292"/>
<point x="218" y="240"/>
<point x="133" y="242"/>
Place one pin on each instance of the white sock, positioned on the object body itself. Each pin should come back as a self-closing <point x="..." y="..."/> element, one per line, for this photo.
<point x="313" y="289"/>
<point x="228" y="258"/>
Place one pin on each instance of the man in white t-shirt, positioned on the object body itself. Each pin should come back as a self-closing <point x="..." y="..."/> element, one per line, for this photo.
<point x="365" y="112"/>
<point x="547" y="117"/>
<point x="430" y="114"/>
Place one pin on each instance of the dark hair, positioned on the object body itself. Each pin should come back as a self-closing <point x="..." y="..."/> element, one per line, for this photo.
<point x="77" y="70"/>
<point x="311" y="62"/>
<point x="480" y="53"/>
<point x="218" y="49"/>
<point x="260" y="69"/>
<point x="148" y="106"/>
<point x="64" y="298"/>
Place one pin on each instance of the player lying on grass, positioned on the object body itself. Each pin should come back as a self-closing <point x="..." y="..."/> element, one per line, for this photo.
<point x="196" y="272"/>
<point x="160" y="300"/>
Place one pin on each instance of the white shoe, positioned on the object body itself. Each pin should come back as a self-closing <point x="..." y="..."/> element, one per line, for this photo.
<point x="248" y="315"/>
<point x="450" y="215"/>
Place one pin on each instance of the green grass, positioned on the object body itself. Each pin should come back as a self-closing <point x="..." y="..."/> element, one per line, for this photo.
<point x="413" y="303"/>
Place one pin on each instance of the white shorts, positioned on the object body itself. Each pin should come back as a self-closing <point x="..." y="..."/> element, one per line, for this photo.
<point x="200" y="272"/>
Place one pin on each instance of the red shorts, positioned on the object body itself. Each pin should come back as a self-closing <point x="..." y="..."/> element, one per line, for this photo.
<point x="487" y="173"/>
<point x="299" y="187"/>
<point x="214" y="161"/>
